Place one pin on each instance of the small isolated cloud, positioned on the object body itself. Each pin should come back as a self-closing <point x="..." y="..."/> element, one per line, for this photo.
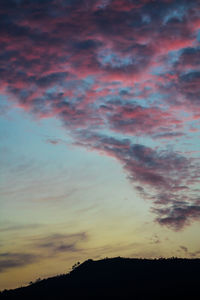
<point x="56" y="141"/>
<point x="195" y="254"/>
<point x="185" y="249"/>
<point x="155" y="239"/>
<point x="53" y="141"/>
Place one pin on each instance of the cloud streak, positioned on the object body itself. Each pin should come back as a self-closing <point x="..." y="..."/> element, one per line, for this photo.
<point x="14" y="260"/>
<point x="60" y="243"/>
<point x="44" y="247"/>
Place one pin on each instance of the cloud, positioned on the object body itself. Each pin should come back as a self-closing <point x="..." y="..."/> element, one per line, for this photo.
<point x="155" y="239"/>
<point x="178" y="215"/>
<point x="122" y="67"/>
<point x="14" y="260"/>
<point x="195" y="254"/>
<point x="55" y="141"/>
<point x="189" y="85"/>
<point x="16" y="227"/>
<point x="60" y="243"/>
<point x="168" y="135"/>
<point x="136" y="119"/>
<point x="185" y="249"/>
<point x="46" y="246"/>
<point x="163" y="177"/>
<point x="189" y="58"/>
<point x="144" y="163"/>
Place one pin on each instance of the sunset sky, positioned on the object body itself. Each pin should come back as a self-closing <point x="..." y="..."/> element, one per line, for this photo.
<point x="99" y="133"/>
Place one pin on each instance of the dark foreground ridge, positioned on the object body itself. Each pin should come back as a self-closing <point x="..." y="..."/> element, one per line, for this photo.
<point x="119" y="278"/>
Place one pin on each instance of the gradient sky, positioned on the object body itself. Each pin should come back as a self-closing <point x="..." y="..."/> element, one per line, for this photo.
<point x="99" y="130"/>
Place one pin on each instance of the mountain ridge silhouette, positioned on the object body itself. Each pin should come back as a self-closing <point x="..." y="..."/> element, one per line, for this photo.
<point x="118" y="278"/>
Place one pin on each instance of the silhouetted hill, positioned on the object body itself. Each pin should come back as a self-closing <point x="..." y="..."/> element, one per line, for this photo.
<point x="119" y="278"/>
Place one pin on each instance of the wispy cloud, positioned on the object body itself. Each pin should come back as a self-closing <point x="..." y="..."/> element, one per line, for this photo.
<point x="43" y="247"/>
<point x="15" y="260"/>
<point x="18" y="227"/>
<point x="59" y="243"/>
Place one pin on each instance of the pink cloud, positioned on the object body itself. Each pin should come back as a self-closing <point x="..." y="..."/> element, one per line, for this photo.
<point x="124" y="67"/>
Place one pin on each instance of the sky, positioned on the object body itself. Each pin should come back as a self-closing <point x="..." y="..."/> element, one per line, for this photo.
<point x="99" y="131"/>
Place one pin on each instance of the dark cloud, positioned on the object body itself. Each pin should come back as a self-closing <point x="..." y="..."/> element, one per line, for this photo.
<point x="53" y="141"/>
<point x="145" y="163"/>
<point x="163" y="177"/>
<point x="189" y="86"/>
<point x="155" y="239"/>
<point x="178" y="215"/>
<point x="131" y="118"/>
<point x="189" y="57"/>
<point x="47" y="80"/>
<point x="47" y="246"/>
<point x="14" y="260"/>
<point x="195" y="253"/>
<point x="86" y="45"/>
<point x="58" y="243"/>
<point x="185" y="249"/>
<point x="168" y="135"/>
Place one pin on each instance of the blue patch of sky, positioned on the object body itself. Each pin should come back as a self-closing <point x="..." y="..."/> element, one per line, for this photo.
<point x="109" y="98"/>
<point x="4" y="105"/>
<point x="21" y="130"/>
<point x="84" y="86"/>
<point x="173" y="56"/>
<point x="89" y="80"/>
<point x="125" y="90"/>
<point x="176" y="13"/>
<point x="103" y="4"/>
<point x="185" y="143"/>
<point x="52" y="90"/>
<point x="134" y="97"/>
<point x="154" y="99"/>
<point x="190" y="142"/>
<point x="198" y="36"/>
<point x="158" y="70"/>
<point x="108" y="58"/>
<point x="79" y="85"/>
<point x="71" y="84"/>
<point x="146" y="19"/>
<point x="60" y="167"/>
<point x="24" y="137"/>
